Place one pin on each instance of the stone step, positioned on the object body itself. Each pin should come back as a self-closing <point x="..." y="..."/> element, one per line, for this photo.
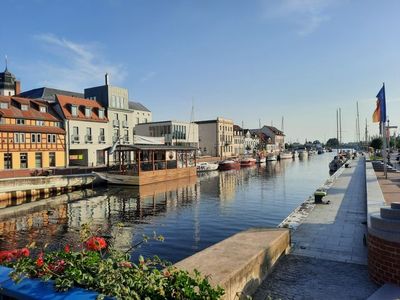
<point x="395" y="205"/>
<point x="390" y="225"/>
<point x="389" y="291"/>
<point x="389" y="213"/>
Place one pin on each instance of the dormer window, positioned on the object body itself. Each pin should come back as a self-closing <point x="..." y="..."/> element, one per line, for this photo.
<point x="74" y="110"/>
<point x="88" y="112"/>
<point x="101" y="113"/>
<point x="24" y="107"/>
<point x="43" y="109"/>
<point x="3" y="105"/>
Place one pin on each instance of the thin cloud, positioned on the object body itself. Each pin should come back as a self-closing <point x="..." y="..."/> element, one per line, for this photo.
<point x="148" y="76"/>
<point x="308" y="15"/>
<point x="72" y="65"/>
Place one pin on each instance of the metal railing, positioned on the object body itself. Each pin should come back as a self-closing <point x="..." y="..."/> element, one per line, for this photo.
<point x="102" y="139"/>
<point x="116" y="123"/>
<point x="88" y="139"/>
<point x="75" y="139"/>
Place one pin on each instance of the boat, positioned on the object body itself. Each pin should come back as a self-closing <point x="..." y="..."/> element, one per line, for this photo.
<point x="205" y="167"/>
<point x="141" y="164"/>
<point x="271" y="157"/>
<point x="302" y="152"/>
<point x="247" y="162"/>
<point x="260" y="159"/>
<point x="285" y="155"/>
<point x="229" y="164"/>
<point x="320" y="151"/>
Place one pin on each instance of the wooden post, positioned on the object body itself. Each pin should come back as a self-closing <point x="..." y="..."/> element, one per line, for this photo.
<point x="138" y="153"/>
<point x="152" y="158"/>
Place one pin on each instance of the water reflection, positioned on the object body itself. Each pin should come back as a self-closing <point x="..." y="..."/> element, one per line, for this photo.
<point x="191" y="213"/>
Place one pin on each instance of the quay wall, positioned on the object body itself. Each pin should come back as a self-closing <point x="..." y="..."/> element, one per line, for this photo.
<point x="383" y="233"/>
<point x="16" y="191"/>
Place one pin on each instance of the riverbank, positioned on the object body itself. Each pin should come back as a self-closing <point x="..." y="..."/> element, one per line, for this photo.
<point x="332" y="237"/>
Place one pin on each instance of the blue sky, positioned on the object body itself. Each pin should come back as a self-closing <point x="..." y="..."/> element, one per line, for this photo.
<point x="244" y="60"/>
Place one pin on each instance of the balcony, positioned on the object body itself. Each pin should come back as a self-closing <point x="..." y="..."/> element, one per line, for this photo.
<point x="116" y="123"/>
<point x="125" y="124"/>
<point x="88" y="139"/>
<point x="102" y="139"/>
<point x="75" y="139"/>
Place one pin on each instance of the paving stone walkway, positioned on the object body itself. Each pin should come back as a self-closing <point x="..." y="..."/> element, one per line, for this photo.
<point x="329" y="257"/>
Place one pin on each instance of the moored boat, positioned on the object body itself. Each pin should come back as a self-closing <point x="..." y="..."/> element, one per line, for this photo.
<point x="302" y="152"/>
<point x="271" y="157"/>
<point x="247" y="162"/>
<point x="228" y="164"/>
<point x="205" y="167"/>
<point x="285" y="155"/>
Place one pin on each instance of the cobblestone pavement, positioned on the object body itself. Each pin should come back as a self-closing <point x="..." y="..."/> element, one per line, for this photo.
<point x="329" y="257"/>
<point x="300" y="277"/>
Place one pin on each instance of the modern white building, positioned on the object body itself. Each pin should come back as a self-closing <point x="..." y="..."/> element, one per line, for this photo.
<point x="216" y="137"/>
<point x="175" y="132"/>
<point x="86" y="128"/>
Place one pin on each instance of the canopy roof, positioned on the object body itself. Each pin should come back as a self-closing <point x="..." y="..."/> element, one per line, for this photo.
<point x="151" y="147"/>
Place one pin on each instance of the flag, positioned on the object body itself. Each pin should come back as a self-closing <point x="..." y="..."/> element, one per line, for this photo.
<point x="113" y="147"/>
<point x="380" y="110"/>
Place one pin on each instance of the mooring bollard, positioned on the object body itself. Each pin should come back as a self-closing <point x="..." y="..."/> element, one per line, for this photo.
<point x="318" y="195"/>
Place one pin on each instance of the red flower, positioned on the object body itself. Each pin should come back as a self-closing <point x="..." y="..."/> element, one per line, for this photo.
<point x="67" y="249"/>
<point x="40" y="260"/>
<point x="6" y="256"/>
<point x="24" y="252"/>
<point x="95" y="243"/>
<point x="58" y="266"/>
<point x="126" y="264"/>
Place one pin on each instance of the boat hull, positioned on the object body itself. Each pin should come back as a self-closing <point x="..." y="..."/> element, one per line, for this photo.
<point x="207" y="167"/>
<point x="229" y="166"/>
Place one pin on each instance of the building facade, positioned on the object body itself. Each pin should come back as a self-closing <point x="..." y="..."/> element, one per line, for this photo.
<point x="86" y="129"/>
<point x="174" y="132"/>
<point x="277" y="138"/>
<point x="238" y="140"/>
<point x="31" y="135"/>
<point x="216" y="137"/>
<point x="9" y="86"/>
<point x="251" y="142"/>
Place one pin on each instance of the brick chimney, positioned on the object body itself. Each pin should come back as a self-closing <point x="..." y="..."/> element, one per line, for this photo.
<point x="17" y="88"/>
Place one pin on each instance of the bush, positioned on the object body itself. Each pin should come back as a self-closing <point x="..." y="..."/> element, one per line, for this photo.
<point x="96" y="265"/>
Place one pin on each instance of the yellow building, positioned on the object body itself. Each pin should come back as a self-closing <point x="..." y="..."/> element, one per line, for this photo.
<point x="31" y="136"/>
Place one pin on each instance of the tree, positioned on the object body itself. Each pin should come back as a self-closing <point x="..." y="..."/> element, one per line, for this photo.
<point x="332" y="142"/>
<point x="376" y="143"/>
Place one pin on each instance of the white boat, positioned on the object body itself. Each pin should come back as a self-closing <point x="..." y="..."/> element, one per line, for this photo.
<point x="260" y="160"/>
<point x="285" y="155"/>
<point x="205" y="167"/>
<point x="302" y="152"/>
<point x="271" y="157"/>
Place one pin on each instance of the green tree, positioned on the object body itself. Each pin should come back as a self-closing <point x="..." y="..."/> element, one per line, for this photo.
<point x="376" y="143"/>
<point x="332" y="142"/>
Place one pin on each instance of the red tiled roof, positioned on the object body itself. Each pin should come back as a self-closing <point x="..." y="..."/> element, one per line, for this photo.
<point x="29" y="128"/>
<point x="33" y="112"/>
<point x="65" y="104"/>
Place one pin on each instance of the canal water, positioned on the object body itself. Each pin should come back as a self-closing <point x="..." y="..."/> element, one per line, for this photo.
<point x="190" y="214"/>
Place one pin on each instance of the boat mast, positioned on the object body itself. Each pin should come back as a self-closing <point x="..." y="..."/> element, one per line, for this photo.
<point x="340" y="127"/>
<point x="337" y="130"/>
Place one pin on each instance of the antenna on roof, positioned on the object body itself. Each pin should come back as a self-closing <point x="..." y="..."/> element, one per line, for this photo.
<point x="106" y="78"/>
<point x="6" y="61"/>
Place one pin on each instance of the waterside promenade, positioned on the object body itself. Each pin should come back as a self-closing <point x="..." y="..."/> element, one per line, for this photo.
<point x="329" y="252"/>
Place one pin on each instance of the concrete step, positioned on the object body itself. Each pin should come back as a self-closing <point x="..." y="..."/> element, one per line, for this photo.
<point x="389" y="291"/>
<point x="389" y="213"/>
<point x="377" y="222"/>
<point x="395" y="205"/>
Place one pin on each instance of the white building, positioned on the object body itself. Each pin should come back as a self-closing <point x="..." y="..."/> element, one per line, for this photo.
<point x="238" y="140"/>
<point x="86" y="128"/>
<point x="174" y="132"/>
<point x="251" y="141"/>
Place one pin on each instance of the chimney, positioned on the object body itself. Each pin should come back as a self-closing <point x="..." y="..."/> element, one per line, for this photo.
<point x="17" y="88"/>
<point x="107" y="78"/>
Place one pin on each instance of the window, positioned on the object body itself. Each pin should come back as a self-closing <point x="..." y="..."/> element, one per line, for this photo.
<point x="145" y="120"/>
<point x="36" y="138"/>
<point x="101" y="113"/>
<point x="20" y="122"/>
<point x="19" y="138"/>
<point x="88" y="137"/>
<point x="39" y="123"/>
<point x="24" y="107"/>
<point x="51" y="138"/>
<point x="7" y="160"/>
<point x="74" y="110"/>
<point x="137" y="121"/>
<point x="43" y="109"/>
<point x="52" y="159"/>
<point x="23" y="160"/>
<point x="102" y="131"/>
<point x="38" y="160"/>
<point x="3" y="105"/>
<point x="116" y="116"/>
<point x="88" y="112"/>
<point x="125" y="117"/>
<point x="113" y="101"/>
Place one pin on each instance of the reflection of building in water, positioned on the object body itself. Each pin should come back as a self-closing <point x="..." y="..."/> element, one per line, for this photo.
<point x="227" y="184"/>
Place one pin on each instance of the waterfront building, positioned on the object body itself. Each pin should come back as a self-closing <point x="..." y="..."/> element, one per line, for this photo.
<point x="86" y="130"/>
<point x="174" y="132"/>
<point x="9" y="86"/>
<point x="122" y="119"/>
<point x="48" y="94"/>
<point x="216" y="137"/>
<point x="31" y="135"/>
<point x="238" y="140"/>
<point x="251" y="141"/>
<point x="274" y="138"/>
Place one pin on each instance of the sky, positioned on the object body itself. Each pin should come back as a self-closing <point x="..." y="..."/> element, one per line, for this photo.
<point x="251" y="61"/>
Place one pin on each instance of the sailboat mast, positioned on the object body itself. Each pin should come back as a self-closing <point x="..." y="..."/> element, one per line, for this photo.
<point x="337" y="128"/>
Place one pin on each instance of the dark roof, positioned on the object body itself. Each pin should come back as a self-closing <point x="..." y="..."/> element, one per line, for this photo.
<point x="274" y="130"/>
<point x="48" y="94"/>
<point x="152" y="147"/>
<point x="237" y="128"/>
<point x="137" y="106"/>
<point x="7" y="80"/>
<point x="206" y="121"/>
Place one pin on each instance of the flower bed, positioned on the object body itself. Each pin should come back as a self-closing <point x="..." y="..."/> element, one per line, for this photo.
<point x="96" y="265"/>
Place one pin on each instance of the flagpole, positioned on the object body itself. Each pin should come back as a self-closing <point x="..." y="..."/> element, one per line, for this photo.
<point x="384" y="149"/>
